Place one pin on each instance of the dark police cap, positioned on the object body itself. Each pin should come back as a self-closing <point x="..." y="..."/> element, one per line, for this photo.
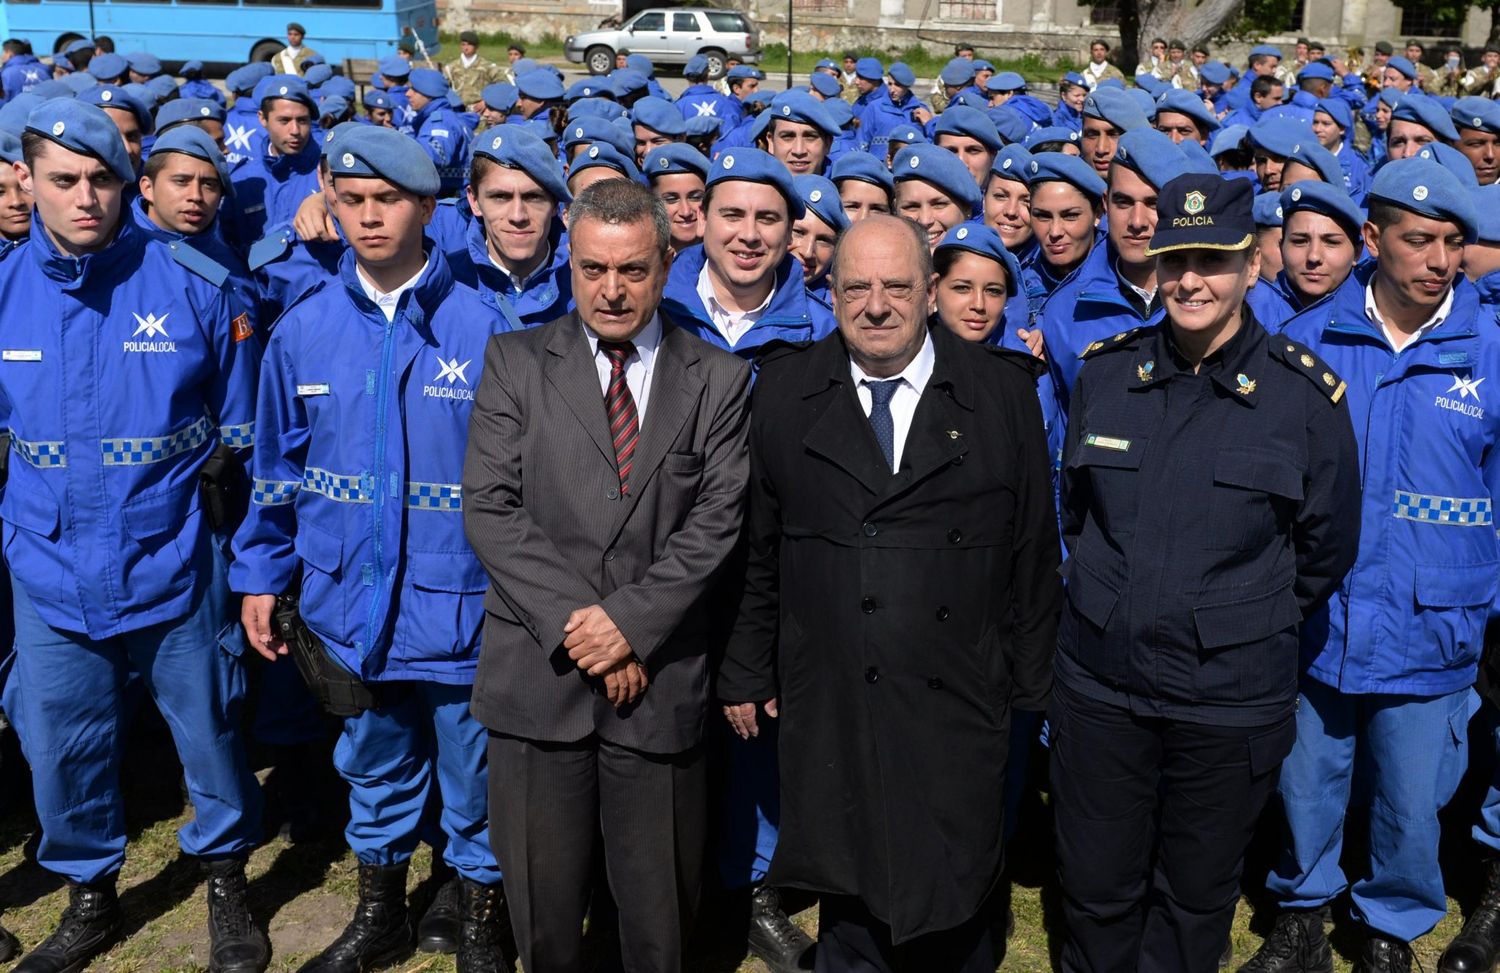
<point x="1200" y="211"/>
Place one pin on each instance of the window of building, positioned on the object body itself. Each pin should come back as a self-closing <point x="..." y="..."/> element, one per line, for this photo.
<point x="1430" y="22"/>
<point x="966" y="9"/>
<point x="1298" y="17"/>
<point x="821" y="6"/>
<point x="1105" y="14"/>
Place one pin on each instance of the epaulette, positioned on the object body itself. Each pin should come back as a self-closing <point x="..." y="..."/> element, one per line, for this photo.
<point x="777" y="349"/>
<point x="199" y="263"/>
<point x="1301" y="360"/>
<point x="1024" y="360"/>
<point x="271" y="246"/>
<point x="1122" y="340"/>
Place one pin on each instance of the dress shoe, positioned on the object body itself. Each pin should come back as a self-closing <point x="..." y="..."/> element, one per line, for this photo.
<point x="779" y="943"/>
<point x="380" y="934"/>
<point x="1475" y="948"/>
<point x="89" y="926"/>
<point x="1296" y="945"/>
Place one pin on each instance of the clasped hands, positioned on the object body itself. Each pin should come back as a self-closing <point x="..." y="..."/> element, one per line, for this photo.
<point x="600" y="649"/>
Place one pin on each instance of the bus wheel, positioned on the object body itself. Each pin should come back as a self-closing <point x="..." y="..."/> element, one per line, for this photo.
<point x="600" y="60"/>
<point x="64" y="41"/>
<point x="265" y="50"/>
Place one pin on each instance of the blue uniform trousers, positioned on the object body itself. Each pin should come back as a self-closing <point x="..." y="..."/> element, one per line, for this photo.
<point x="751" y="820"/>
<point x="1487" y="831"/>
<point x="1414" y="750"/>
<point x="67" y="698"/>
<point x="389" y="757"/>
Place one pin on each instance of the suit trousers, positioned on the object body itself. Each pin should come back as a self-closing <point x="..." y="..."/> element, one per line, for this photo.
<point x="851" y="940"/>
<point x="1152" y="817"/>
<point x="549" y="800"/>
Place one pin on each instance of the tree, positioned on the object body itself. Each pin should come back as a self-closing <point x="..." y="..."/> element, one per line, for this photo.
<point x="1187" y="20"/>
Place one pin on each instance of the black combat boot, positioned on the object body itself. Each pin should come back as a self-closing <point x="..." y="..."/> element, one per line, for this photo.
<point x="1475" y="948"/>
<point x="1383" y="955"/>
<point x="779" y="943"/>
<point x="10" y="946"/>
<point x="89" y="926"/>
<point x="480" y="943"/>
<point x="236" y="943"/>
<point x="380" y="933"/>
<point x="438" y="931"/>
<point x="1296" y="945"/>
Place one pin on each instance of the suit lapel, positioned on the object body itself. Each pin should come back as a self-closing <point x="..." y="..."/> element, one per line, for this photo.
<point x="842" y="433"/>
<point x="571" y="370"/>
<point x="931" y="443"/>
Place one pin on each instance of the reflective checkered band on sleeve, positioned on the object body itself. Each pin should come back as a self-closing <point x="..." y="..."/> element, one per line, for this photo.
<point x="241" y="436"/>
<point x="154" y="449"/>
<point x="274" y="493"/>
<point x="1454" y="511"/>
<point x="434" y="496"/>
<point x="334" y="486"/>
<point x="41" y="455"/>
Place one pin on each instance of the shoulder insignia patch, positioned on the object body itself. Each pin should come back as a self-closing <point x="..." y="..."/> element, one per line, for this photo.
<point x="1300" y="359"/>
<point x="270" y="247"/>
<point x="199" y="263"/>
<point x="1125" y="339"/>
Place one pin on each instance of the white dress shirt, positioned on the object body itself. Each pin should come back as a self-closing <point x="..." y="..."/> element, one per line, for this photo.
<point x="387" y="302"/>
<point x="638" y="367"/>
<point x="914" y="378"/>
<point x="731" y="324"/>
<point x="1373" y="313"/>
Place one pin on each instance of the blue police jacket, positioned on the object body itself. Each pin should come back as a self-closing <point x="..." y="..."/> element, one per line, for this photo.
<point x="792" y="315"/>
<point x="1272" y="303"/>
<point x="1087" y="307"/>
<point x="22" y="73"/>
<point x="880" y="117"/>
<point x="1247" y="115"/>
<point x="449" y="226"/>
<point x="1488" y="289"/>
<point x="445" y="138"/>
<point x="1301" y="108"/>
<point x="244" y="135"/>
<point x="200" y="89"/>
<point x="1356" y="173"/>
<point x="364" y="424"/>
<point x="403" y="115"/>
<point x="1068" y="117"/>
<point x="1410" y="616"/>
<point x="704" y="100"/>
<point x="546" y="295"/>
<point x="219" y="259"/>
<point x="125" y="372"/>
<point x="267" y="191"/>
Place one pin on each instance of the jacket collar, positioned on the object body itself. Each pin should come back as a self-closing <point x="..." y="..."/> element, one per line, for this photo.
<point x="829" y="365"/>
<point x="70" y="270"/>
<point x="499" y="280"/>
<point x="1236" y="368"/>
<point x="1344" y="310"/>
<point x="418" y="304"/>
<point x="788" y="299"/>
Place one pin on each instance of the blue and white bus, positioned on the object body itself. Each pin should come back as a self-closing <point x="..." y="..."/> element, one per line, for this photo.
<point x="226" y="32"/>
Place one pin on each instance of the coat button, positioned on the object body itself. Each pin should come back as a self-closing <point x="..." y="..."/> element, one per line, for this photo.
<point x="609" y="555"/>
<point x="613" y="495"/>
<point x="955" y="535"/>
<point x="872" y="675"/>
<point x="870" y="529"/>
<point x="942" y="613"/>
<point x="934" y="683"/>
<point x="958" y="461"/>
<point x="867" y="606"/>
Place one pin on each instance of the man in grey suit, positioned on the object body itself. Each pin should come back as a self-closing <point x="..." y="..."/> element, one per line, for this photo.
<point x="603" y="490"/>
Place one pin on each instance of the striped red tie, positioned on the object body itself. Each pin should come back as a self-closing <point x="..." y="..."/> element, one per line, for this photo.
<point x="619" y="406"/>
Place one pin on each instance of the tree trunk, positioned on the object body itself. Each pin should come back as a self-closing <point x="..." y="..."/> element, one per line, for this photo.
<point x="1128" y="55"/>
<point x="1185" y="20"/>
<point x="1494" y="37"/>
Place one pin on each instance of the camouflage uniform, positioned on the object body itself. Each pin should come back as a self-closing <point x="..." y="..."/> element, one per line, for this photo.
<point x="471" y="81"/>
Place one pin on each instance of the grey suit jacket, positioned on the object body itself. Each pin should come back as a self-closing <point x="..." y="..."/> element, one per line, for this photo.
<point x="543" y="511"/>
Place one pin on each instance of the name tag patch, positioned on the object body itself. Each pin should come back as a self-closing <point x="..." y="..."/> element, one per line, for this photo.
<point x="21" y="354"/>
<point x="1108" y="442"/>
<point x="319" y="389"/>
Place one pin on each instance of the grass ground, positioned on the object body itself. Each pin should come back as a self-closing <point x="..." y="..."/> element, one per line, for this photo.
<point x="305" y="892"/>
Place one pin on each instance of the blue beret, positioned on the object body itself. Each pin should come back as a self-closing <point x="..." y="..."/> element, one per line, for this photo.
<point x="840" y="111"/>
<point x="1143" y="99"/>
<point x="524" y="65"/>
<point x="1051" y="133"/>
<point x="659" y="116"/>
<point x="701" y="125"/>
<point x="341" y="86"/>
<point x="189" y="68"/>
<point x="902" y="74"/>
<point x="820" y="198"/>
<point x="1116" y="107"/>
<point x="696" y="67"/>
<point x="1012" y="162"/>
<point x="1062" y="167"/>
<point x="1419" y="109"/>
<point x="957" y="72"/>
<point x="1156" y="158"/>
<point x="134" y="89"/>
<point x="82" y="44"/>
<point x="627" y="81"/>
<point x="581" y="131"/>
<point x="14" y="113"/>
<point x="10" y="147"/>
<point x="1390" y="96"/>
<point x="375" y="98"/>
<point x="1425" y="187"/>
<point x="1267" y="209"/>
<point x="517" y="147"/>
<point x="980" y="64"/>
<point x="796" y="106"/>
<point x="869" y="68"/>
<point x="1487" y="200"/>
<point x="429" y="82"/>
<point x="1198" y="158"/>
<point x="1354" y="82"/>
<point x="1270" y="49"/>
<point x="969" y="122"/>
<point x="1480" y="114"/>
<point x="828" y="63"/>
<point x="640" y="63"/>
<point x="984" y="241"/>
<point x="82" y="128"/>
<point x="1451" y="159"/>
<point x="862" y="167"/>
<point x="1338" y="109"/>
<point x="602" y="154"/>
<point x="244" y="79"/>
<point x="192" y="140"/>
<point x="1184" y="102"/>
<point x="1407" y="69"/>
<point x="540" y="85"/>
<point x="333" y="106"/>
<point x="940" y="168"/>
<point x="825" y="84"/>
<point x="973" y="99"/>
<point x="1315" y="71"/>
<point x="162" y="87"/>
<point x="1009" y="123"/>
<point x="317" y="74"/>
<point x="309" y="60"/>
<point x="907" y="134"/>
<point x="1279" y="134"/>
<point x="588" y="88"/>
<point x="1321" y="197"/>
<point x="1151" y="84"/>
<point x="1203" y="209"/>
<point x="394" y="68"/>
<point x="188" y="110"/>
<point x="542" y="128"/>
<point x="753" y="165"/>
<point x="1312" y="155"/>
<point x="107" y="67"/>
<point x="142" y="62"/>
<point x="75" y="83"/>
<point x="1073" y="78"/>
<point x="741" y="72"/>
<point x="593" y="108"/>
<point x="676" y="159"/>
<point x="332" y="136"/>
<point x="1008" y="81"/>
<point x="374" y="151"/>
<point x="113" y="96"/>
<point x="1214" y="72"/>
<point x="756" y="100"/>
<point x="287" y="87"/>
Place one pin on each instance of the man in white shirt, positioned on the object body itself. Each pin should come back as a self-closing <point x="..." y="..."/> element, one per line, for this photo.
<point x="289" y="59"/>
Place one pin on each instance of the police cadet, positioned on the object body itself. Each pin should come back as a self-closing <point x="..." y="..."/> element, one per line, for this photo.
<point x="244" y="135"/>
<point x="816" y="234"/>
<point x="516" y="254"/>
<point x="933" y="189"/>
<point x="440" y="133"/>
<point x="865" y="185"/>
<point x="654" y="123"/>
<point x="969" y="134"/>
<point x="1391" y="662"/>
<point x="15" y="202"/>
<point x="677" y="175"/>
<point x="115" y="559"/>
<point x="888" y="107"/>
<point x="129" y="113"/>
<point x="1320" y="243"/>
<point x="1209" y="497"/>
<point x="389" y="587"/>
<point x="798" y="131"/>
<point x="1478" y="124"/>
<point x="269" y="187"/>
<point x="198" y="112"/>
<point x="1108" y="113"/>
<point x="701" y="99"/>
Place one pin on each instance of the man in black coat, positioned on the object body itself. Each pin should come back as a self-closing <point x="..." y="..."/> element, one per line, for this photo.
<point x="901" y="597"/>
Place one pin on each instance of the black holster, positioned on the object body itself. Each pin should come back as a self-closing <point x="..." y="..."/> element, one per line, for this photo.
<point x="339" y="691"/>
<point x="223" y="490"/>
